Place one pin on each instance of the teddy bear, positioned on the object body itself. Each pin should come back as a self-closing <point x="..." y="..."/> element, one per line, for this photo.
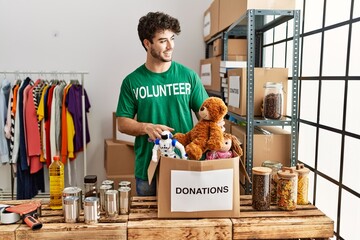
<point x="206" y="134"/>
<point x="231" y="147"/>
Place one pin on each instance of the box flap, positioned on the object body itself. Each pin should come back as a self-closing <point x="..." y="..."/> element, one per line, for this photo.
<point x="152" y="169"/>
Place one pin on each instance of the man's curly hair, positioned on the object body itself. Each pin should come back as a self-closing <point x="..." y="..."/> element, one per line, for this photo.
<point x="153" y="22"/>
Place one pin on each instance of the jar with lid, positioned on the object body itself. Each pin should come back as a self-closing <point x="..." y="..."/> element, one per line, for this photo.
<point x="90" y="182"/>
<point x="273" y="100"/>
<point x="275" y="167"/>
<point x="287" y="189"/>
<point x="261" y="188"/>
<point x="303" y="184"/>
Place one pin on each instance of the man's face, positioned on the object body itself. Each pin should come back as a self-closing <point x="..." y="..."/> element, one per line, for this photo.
<point x="162" y="46"/>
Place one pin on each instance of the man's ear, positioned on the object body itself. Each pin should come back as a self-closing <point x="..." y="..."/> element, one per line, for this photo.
<point x="147" y="44"/>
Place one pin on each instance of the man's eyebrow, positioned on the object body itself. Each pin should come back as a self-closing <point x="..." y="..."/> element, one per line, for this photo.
<point x="160" y="39"/>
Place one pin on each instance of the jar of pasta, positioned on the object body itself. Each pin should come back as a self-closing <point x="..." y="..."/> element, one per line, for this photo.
<point x="303" y="184"/>
<point x="287" y="189"/>
<point x="261" y="188"/>
<point x="275" y="167"/>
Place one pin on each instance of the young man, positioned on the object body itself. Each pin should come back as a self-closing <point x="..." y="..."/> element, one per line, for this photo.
<point x="159" y="95"/>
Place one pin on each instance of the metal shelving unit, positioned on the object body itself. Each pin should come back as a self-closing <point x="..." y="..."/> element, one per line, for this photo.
<point x="252" y="25"/>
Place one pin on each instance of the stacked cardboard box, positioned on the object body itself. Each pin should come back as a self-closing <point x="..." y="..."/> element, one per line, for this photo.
<point x="237" y="83"/>
<point x="222" y="13"/>
<point x="119" y="161"/>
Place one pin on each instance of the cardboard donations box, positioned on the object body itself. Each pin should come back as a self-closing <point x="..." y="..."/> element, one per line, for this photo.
<point x="197" y="189"/>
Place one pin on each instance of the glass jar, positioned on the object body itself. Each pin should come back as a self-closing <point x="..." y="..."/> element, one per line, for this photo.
<point x="273" y="100"/>
<point x="303" y="184"/>
<point x="90" y="183"/>
<point x="287" y="189"/>
<point x="261" y="188"/>
<point x="275" y="167"/>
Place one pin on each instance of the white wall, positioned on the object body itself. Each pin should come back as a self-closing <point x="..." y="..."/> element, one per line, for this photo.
<point x="95" y="36"/>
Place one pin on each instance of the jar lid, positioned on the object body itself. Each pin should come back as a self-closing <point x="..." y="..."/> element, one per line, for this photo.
<point x="273" y="85"/>
<point x="301" y="169"/>
<point x="287" y="172"/>
<point x="261" y="170"/>
<point x="90" y="179"/>
<point x="272" y="164"/>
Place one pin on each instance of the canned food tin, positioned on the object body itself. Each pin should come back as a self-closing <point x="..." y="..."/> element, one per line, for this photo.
<point x="71" y="209"/>
<point x="108" y="182"/>
<point x="124" y="199"/>
<point x="91" y="210"/>
<point x="125" y="184"/>
<point x="73" y="191"/>
<point x="103" y="190"/>
<point x="111" y="203"/>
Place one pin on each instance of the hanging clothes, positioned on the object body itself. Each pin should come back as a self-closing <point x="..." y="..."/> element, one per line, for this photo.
<point x="28" y="185"/>
<point x="73" y="103"/>
<point x="4" y="99"/>
<point x="32" y="133"/>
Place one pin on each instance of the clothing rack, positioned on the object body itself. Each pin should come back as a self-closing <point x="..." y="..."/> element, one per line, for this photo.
<point x="56" y="73"/>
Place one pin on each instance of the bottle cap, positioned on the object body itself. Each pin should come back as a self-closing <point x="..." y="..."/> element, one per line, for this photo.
<point x="56" y="158"/>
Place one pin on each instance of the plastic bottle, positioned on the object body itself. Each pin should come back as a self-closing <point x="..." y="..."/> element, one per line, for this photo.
<point x="56" y="172"/>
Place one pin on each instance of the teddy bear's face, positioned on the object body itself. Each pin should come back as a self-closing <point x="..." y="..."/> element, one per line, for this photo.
<point x="213" y="109"/>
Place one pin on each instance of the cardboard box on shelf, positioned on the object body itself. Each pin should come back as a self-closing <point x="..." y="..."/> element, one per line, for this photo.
<point x="237" y="58"/>
<point x="211" y="20"/>
<point x="232" y="10"/>
<point x="119" y="178"/>
<point x="119" y="157"/>
<point x="235" y="47"/>
<point x="275" y="146"/>
<point x="197" y="189"/>
<point x="210" y="73"/>
<point x="237" y="83"/>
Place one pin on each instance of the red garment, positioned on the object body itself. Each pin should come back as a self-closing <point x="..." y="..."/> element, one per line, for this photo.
<point x="32" y="133"/>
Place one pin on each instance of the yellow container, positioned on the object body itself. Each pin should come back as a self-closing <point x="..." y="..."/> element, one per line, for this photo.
<point x="303" y="184"/>
<point x="56" y="172"/>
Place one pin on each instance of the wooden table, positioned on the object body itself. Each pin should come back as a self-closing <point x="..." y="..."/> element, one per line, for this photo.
<point x="307" y="222"/>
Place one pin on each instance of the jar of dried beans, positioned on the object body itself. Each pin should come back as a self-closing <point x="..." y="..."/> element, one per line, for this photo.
<point x="275" y="167"/>
<point x="261" y="188"/>
<point x="273" y="100"/>
<point x="287" y="189"/>
<point x="303" y="184"/>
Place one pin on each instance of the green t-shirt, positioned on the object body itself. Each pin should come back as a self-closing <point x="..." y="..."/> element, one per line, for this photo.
<point x="160" y="98"/>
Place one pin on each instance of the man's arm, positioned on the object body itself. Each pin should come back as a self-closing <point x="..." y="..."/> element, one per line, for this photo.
<point x="135" y="128"/>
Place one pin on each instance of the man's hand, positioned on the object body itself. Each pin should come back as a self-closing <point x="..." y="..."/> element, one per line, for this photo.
<point x="154" y="130"/>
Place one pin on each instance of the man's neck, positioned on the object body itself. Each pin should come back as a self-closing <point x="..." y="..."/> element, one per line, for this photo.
<point x="157" y="67"/>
